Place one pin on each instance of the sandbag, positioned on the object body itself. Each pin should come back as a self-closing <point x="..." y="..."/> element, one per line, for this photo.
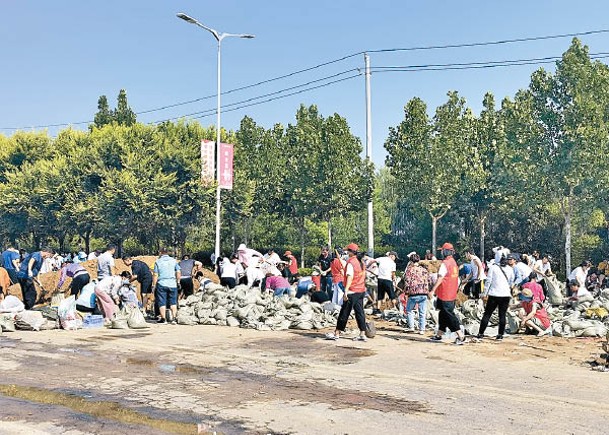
<point x="119" y="323"/>
<point x="29" y="320"/>
<point x="370" y="329"/>
<point x="136" y="319"/>
<point x="11" y="304"/>
<point x="7" y="323"/>
<point x="68" y="317"/>
<point x="555" y="290"/>
<point x="186" y="319"/>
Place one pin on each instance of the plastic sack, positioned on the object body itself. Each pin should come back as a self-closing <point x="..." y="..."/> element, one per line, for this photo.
<point x="370" y="329"/>
<point x="67" y="314"/>
<point x="29" y="320"/>
<point x="57" y="299"/>
<point x="136" y="320"/>
<point x="11" y="304"/>
<point x="555" y="290"/>
<point x="7" y="323"/>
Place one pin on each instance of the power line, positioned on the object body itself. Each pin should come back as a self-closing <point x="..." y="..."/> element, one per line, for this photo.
<point x="265" y="95"/>
<point x="330" y="62"/>
<point x="212" y="111"/>
<point x="383" y="50"/>
<point x="477" y="65"/>
<point x="381" y="69"/>
<point x="487" y="43"/>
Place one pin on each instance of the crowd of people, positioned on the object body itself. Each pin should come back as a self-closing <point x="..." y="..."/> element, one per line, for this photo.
<point x="346" y="277"/>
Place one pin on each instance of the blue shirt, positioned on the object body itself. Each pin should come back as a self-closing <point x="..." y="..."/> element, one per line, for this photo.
<point x="23" y="269"/>
<point x="165" y="268"/>
<point x="465" y="270"/>
<point x="7" y="259"/>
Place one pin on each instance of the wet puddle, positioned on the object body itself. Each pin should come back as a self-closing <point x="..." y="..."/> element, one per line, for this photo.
<point x="233" y="388"/>
<point x="96" y="408"/>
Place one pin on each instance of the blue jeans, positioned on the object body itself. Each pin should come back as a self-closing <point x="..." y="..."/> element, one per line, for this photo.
<point x="421" y="300"/>
<point x="281" y="291"/>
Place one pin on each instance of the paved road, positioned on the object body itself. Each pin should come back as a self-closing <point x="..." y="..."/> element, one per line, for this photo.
<point x="177" y="379"/>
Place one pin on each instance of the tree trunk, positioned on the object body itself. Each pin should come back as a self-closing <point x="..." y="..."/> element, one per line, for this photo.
<point x="482" y="234"/>
<point x="329" y="234"/>
<point x="62" y="241"/>
<point x="88" y="242"/>
<point x="302" y="244"/>
<point x="119" y="248"/>
<point x="434" y="221"/>
<point x="567" y="212"/>
<point x="434" y="225"/>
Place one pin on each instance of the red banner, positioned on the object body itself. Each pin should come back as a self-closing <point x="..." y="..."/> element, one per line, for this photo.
<point x="226" y="166"/>
<point x="208" y="170"/>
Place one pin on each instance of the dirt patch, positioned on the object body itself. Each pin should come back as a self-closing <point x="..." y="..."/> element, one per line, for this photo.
<point x="310" y="349"/>
<point x="235" y="388"/>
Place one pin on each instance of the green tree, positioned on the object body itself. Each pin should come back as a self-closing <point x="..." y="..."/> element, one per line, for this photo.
<point x="571" y="114"/>
<point x="431" y="159"/>
<point x="104" y="115"/>
<point x="123" y="114"/>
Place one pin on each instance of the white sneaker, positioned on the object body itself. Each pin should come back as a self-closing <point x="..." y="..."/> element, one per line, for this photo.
<point x="331" y="336"/>
<point x="421" y="332"/>
<point x="360" y="338"/>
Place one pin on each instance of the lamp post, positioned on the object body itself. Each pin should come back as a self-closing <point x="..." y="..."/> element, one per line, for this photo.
<point x="219" y="37"/>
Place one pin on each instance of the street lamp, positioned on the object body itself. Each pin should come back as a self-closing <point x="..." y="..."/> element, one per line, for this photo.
<point x="219" y="37"/>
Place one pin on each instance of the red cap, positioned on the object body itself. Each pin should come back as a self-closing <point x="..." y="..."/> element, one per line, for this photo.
<point x="288" y="253"/>
<point x="352" y="247"/>
<point x="448" y="246"/>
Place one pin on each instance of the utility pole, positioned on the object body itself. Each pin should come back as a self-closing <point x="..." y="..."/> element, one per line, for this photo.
<point x="369" y="153"/>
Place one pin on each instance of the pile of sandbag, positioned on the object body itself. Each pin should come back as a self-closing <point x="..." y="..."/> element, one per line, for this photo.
<point x="249" y="308"/>
<point x="50" y="280"/>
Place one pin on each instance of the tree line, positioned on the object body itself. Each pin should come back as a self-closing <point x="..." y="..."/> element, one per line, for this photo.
<point x="527" y="173"/>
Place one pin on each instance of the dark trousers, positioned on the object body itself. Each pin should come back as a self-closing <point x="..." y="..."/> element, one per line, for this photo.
<point x="473" y="289"/>
<point x="326" y="284"/>
<point x="355" y="301"/>
<point x="84" y="309"/>
<point x="491" y="304"/>
<point x="12" y="274"/>
<point x="78" y="282"/>
<point x="447" y="317"/>
<point x="28" y="291"/>
<point x="228" y="282"/>
<point x="187" y="286"/>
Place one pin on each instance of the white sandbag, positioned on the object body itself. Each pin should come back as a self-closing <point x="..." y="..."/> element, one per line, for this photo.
<point x="29" y="320"/>
<point x="11" y="304"/>
<point x="136" y="319"/>
<point x="555" y="290"/>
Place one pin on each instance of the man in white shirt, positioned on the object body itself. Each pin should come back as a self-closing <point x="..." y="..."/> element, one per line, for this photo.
<point x="521" y="270"/>
<point x="386" y="278"/>
<point x="477" y="275"/>
<point x="580" y="273"/>
<point x="105" y="263"/>
<point x="500" y="251"/>
<point x="543" y="269"/>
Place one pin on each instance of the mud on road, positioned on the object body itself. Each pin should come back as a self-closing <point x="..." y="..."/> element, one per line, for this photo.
<point x="206" y="379"/>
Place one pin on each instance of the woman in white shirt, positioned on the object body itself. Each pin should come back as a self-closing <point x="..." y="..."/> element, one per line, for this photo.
<point x="498" y="294"/>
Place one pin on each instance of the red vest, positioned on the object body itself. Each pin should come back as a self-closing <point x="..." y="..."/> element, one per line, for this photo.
<point x="337" y="271"/>
<point x="447" y="291"/>
<point x="358" y="285"/>
<point x="293" y="265"/>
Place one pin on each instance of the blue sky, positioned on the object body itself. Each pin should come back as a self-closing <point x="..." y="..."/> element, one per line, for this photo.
<point x="58" y="57"/>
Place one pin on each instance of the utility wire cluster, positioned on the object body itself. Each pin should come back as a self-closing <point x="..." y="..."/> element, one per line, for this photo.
<point x="351" y="74"/>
